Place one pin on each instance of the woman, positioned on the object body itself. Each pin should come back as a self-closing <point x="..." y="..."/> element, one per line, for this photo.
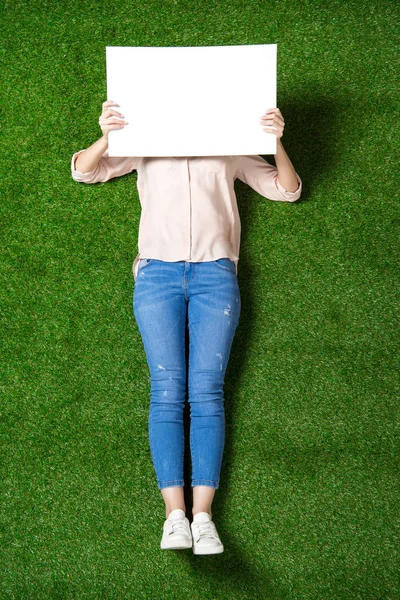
<point x="186" y="277"/>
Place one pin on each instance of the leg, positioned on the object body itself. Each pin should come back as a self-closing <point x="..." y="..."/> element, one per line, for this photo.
<point x="173" y="498"/>
<point x="214" y="310"/>
<point x="203" y="496"/>
<point x="160" y="312"/>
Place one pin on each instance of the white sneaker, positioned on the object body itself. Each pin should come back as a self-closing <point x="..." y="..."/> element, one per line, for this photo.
<point x="176" y="532"/>
<point x="205" y="537"/>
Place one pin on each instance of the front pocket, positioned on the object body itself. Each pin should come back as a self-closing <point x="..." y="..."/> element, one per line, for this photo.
<point x="226" y="264"/>
<point x="144" y="262"/>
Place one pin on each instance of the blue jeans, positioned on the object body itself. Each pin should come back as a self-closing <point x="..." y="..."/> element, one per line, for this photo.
<point x="205" y="298"/>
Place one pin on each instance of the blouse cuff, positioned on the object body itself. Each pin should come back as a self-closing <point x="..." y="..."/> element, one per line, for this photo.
<point x="78" y="175"/>
<point x="290" y="195"/>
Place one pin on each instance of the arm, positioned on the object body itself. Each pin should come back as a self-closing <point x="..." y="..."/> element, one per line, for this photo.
<point x="263" y="178"/>
<point x="274" y="122"/>
<point x="286" y="173"/>
<point x="275" y="183"/>
<point x="88" y="159"/>
<point x="93" y="165"/>
<point x="109" y="119"/>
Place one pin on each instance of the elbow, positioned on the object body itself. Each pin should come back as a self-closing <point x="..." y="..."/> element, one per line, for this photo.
<point x="289" y="195"/>
<point x="89" y="177"/>
<point x="75" y="176"/>
<point x="296" y="196"/>
<point x="81" y="176"/>
<point x="297" y="188"/>
<point x="78" y="177"/>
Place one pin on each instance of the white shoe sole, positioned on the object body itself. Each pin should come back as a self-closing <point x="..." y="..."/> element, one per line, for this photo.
<point x="202" y="551"/>
<point x="178" y="545"/>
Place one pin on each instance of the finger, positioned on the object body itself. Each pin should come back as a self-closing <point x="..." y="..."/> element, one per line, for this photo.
<point x="274" y="128"/>
<point x="107" y="106"/>
<point x="273" y="123"/>
<point x="111" y="120"/>
<point x="110" y="112"/>
<point x="275" y="112"/>
<point x="268" y="120"/>
<point x="109" y="103"/>
<point x="279" y="119"/>
<point x="116" y="120"/>
<point x="273" y="117"/>
<point x="111" y="126"/>
<point x="119" y="126"/>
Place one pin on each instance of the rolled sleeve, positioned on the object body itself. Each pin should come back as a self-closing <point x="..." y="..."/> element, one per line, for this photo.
<point x="263" y="178"/>
<point x="289" y="196"/>
<point x="90" y="177"/>
<point x="106" y="168"/>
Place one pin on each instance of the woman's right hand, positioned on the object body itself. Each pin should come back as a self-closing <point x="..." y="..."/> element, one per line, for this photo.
<point x="110" y="118"/>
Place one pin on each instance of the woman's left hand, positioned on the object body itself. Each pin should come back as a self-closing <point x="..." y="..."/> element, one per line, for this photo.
<point x="273" y="122"/>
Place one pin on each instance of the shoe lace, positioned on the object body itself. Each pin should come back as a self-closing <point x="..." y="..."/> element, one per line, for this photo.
<point x="207" y="530"/>
<point x="176" y="525"/>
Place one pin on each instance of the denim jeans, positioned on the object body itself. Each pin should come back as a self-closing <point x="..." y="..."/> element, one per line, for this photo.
<point x="203" y="297"/>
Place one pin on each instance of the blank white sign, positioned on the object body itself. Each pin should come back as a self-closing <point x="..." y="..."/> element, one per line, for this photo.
<point x="192" y="101"/>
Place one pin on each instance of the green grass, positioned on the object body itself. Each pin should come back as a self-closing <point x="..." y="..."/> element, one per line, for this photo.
<point x="308" y="503"/>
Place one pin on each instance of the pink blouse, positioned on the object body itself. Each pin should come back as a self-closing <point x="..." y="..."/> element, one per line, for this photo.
<point x="189" y="208"/>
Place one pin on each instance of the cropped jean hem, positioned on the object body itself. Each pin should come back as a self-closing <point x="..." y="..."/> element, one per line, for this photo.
<point x="172" y="483"/>
<point x="206" y="482"/>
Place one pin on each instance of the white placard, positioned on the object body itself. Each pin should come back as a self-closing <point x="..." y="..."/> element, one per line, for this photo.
<point x="192" y="101"/>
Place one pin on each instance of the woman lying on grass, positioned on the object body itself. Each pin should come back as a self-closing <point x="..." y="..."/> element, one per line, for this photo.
<point x="186" y="284"/>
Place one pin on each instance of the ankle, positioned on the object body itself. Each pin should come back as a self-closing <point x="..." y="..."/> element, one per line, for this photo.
<point x="206" y="509"/>
<point x="170" y="508"/>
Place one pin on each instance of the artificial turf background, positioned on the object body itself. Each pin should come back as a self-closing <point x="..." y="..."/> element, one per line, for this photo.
<point x="308" y="503"/>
